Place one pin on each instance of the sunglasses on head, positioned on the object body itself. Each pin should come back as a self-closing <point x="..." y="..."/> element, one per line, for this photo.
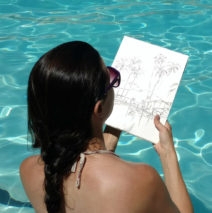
<point x="115" y="78"/>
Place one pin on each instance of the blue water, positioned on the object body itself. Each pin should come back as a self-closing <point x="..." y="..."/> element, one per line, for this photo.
<point x="30" y="28"/>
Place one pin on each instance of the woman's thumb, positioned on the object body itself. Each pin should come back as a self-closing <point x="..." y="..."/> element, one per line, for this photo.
<point x="157" y="122"/>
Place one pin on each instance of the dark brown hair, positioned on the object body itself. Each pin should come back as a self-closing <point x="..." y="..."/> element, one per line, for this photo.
<point x="63" y="88"/>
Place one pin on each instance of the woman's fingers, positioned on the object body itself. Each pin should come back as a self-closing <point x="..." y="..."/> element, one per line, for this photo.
<point x="168" y="126"/>
<point x="159" y="125"/>
<point x="165" y="144"/>
<point x="157" y="122"/>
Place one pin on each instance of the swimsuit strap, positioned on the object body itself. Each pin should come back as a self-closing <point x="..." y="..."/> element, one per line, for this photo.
<point x="82" y="162"/>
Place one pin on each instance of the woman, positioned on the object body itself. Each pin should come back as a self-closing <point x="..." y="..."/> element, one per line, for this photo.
<point x="70" y="95"/>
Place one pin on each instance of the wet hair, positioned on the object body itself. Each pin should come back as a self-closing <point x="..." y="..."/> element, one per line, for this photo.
<point x="63" y="88"/>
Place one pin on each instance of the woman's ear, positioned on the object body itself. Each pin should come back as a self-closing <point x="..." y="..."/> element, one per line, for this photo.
<point x="98" y="109"/>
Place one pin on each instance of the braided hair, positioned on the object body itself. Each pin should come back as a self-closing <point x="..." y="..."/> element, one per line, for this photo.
<point x="63" y="87"/>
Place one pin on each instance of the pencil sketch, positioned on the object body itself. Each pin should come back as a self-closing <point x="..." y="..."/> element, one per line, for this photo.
<point x="144" y="102"/>
<point x="150" y="76"/>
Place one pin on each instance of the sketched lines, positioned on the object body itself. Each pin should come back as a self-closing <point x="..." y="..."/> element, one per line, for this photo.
<point x="141" y="101"/>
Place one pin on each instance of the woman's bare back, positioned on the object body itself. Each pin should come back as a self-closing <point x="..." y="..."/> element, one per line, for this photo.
<point x="108" y="184"/>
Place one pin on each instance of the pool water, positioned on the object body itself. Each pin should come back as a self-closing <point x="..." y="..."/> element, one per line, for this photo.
<point x="30" y="28"/>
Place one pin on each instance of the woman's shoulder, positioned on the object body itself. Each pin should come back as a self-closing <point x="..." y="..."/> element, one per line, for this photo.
<point x="31" y="171"/>
<point x="32" y="177"/>
<point x="137" y="173"/>
<point x="142" y="188"/>
<point x="133" y="183"/>
<point x="31" y="163"/>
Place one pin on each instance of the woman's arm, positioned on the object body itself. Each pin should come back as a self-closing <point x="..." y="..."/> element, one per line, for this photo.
<point x="173" y="177"/>
<point x="111" y="137"/>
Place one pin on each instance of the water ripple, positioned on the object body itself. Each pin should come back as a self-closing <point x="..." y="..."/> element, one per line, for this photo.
<point x="30" y="28"/>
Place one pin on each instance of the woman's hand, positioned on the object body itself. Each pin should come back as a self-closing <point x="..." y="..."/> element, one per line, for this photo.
<point x="111" y="137"/>
<point x="165" y="145"/>
<point x="173" y="177"/>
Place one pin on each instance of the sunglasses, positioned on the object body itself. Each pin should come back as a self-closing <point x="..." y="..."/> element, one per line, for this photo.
<point x="115" y="78"/>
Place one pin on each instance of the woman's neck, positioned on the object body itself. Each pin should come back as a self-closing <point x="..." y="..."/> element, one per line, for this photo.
<point x="96" y="143"/>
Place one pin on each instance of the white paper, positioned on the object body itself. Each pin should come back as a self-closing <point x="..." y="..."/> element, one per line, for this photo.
<point x="150" y="76"/>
